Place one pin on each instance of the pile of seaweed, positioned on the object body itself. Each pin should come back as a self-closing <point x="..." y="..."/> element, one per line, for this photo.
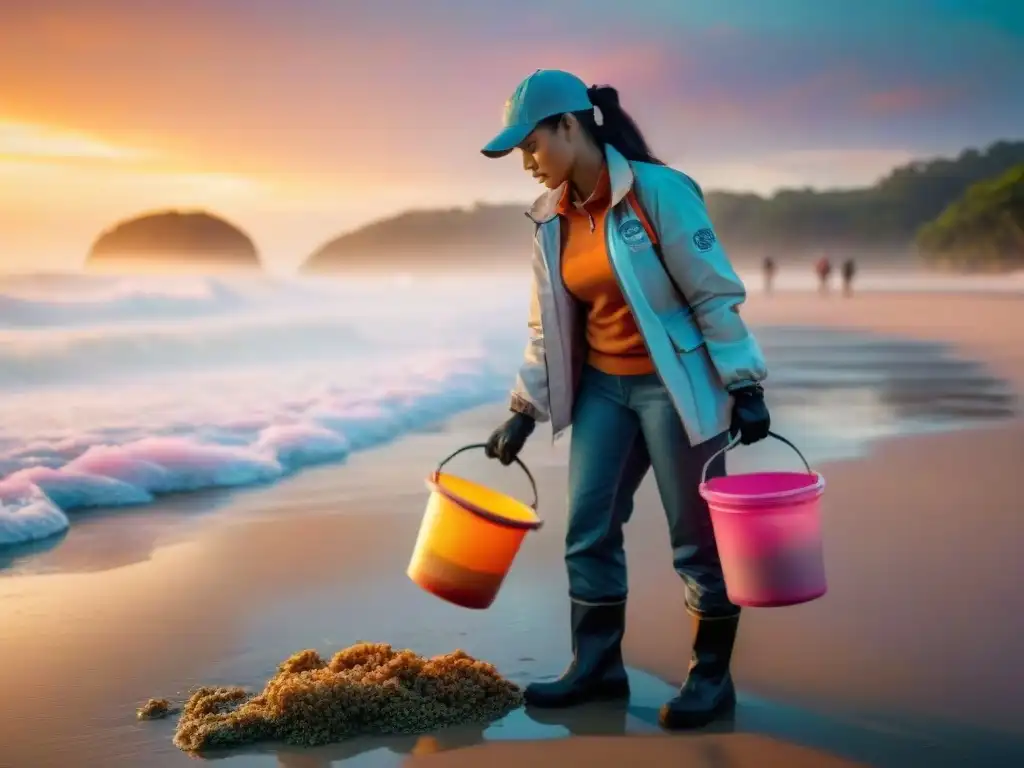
<point x="368" y="688"/>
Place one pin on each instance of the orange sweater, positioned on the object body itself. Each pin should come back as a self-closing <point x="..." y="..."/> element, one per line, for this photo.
<point x="616" y="346"/>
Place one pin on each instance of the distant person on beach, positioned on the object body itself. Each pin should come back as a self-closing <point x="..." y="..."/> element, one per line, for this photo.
<point x="849" y="272"/>
<point x="769" y="273"/>
<point x="823" y="268"/>
<point x="655" y="299"/>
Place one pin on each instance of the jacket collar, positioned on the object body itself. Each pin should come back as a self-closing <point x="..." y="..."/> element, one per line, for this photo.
<point x="620" y="175"/>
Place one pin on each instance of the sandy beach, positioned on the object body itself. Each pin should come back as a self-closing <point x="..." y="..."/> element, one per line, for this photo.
<point x="912" y="658"/>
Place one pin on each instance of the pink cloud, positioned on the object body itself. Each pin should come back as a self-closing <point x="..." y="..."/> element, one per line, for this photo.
<point x="908" y="99"/>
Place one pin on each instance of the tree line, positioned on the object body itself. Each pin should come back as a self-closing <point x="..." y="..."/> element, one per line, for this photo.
<point x="885" y="216"/>
<point x="869" y="223"/>
<point x="982" y="230"/>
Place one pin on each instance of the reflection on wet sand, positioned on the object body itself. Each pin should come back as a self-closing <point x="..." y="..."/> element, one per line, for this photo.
<point x="910" y="382"/>
<point x="380" y="750"/>
<point x="103" y="539"/>
<point x="794" y="736"/>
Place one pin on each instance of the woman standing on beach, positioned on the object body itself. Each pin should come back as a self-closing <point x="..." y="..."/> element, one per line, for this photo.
<point x="636" y="341"/>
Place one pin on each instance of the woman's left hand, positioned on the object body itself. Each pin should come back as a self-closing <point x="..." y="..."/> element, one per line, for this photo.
<point x="750" y="417"/>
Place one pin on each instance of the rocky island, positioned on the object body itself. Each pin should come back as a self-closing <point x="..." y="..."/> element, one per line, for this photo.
<point x="173" y="241"/>
<point x="475" y="237"/>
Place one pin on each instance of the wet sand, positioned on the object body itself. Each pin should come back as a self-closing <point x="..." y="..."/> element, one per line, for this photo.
<point x="912" y="657"/>
<point x="986" y="328"/>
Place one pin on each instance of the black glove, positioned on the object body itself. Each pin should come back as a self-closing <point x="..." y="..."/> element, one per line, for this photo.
<point x="508" y="440"/>
<point x="750" y="417"/>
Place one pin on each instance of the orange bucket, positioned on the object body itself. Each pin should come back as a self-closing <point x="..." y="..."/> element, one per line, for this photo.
<point x="469" y="537"/>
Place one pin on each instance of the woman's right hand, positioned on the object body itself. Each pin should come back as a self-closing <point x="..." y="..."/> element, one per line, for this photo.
<point x="508" y="440"/>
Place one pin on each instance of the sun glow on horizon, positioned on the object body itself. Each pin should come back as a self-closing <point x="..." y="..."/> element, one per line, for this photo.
<point x="59" y="184"/>
<point x="29" y="141"/>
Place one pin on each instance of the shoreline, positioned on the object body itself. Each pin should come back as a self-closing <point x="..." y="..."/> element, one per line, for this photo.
<point x="867" y="675"/>
<point x="783" y="312"/>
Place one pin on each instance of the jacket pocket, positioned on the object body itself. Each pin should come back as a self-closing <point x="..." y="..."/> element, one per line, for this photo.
<point x="710" y="401"/>
<point x="683" y="331"/>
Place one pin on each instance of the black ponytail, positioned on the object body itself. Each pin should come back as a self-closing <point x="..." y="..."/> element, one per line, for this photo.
<point x="617" y="127"/>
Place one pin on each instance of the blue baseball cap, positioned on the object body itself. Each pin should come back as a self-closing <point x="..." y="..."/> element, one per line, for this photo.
<point x="545" y="93"/>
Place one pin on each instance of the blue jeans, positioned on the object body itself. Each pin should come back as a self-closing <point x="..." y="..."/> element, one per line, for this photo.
<point x="622" y="426"/>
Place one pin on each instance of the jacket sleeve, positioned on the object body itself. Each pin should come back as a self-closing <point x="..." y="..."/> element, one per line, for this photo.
<point x="701" y="269"/>
<point x="530" y="394"/>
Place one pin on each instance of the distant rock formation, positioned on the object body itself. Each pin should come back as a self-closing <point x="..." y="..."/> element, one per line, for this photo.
<point x="177" y="241"/>
<point x="470" y="238"/>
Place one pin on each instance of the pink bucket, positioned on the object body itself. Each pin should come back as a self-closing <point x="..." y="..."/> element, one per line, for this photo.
<point x="768" y="529"/>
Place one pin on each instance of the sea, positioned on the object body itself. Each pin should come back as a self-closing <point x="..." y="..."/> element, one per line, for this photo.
<point x="118" y="390"/>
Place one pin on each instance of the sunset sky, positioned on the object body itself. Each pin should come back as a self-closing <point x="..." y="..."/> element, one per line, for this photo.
<point x="298" y="120"/>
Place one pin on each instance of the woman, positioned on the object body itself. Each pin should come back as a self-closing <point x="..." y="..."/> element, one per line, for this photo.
<point x="637" y="342"/>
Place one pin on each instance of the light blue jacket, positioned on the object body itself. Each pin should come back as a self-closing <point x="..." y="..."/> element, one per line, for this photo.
<point x="699" y="344"/>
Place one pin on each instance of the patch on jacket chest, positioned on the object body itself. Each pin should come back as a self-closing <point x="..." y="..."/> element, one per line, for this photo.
<point x="634" y="235"/>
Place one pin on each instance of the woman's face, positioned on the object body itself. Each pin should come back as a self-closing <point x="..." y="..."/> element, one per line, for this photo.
<point x="549" y="153"/>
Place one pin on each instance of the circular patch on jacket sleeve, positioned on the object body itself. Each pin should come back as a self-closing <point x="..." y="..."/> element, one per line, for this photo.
<point x="704" y="239"/>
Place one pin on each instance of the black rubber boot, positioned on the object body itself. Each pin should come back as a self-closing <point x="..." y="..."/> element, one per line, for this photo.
<point x="597" y="672"/>
<point x="708" y="693"/>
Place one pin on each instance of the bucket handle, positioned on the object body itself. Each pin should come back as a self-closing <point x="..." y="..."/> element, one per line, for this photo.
<point x="533" y="483"/>
<point x="736" y="441"/>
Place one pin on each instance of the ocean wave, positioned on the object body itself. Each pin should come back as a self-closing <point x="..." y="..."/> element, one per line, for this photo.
<point x="54" y="476"/>
<point x="23" y="304"/>
<point x="117" y="414"/>
<point x="105" y="353"/>
<point x="147" y="328"/>
<point x="70" y="300"/>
